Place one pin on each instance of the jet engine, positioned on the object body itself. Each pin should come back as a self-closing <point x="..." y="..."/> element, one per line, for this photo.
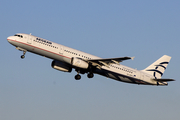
<point x="79" y="63"/>
<point x="61" y="66"/>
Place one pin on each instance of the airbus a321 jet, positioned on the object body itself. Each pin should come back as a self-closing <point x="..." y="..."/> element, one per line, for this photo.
<point x="65" y="59"/>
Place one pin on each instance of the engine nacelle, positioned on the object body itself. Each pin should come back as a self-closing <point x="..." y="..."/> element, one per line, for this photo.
<point x="79" y="63"/>
<point x="61" y="66"/>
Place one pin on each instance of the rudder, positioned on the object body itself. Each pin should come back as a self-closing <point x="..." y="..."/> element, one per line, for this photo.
<point x="158" y="67"/>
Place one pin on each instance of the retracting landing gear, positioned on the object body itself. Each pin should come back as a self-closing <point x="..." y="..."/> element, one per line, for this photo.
<point x="77" y="77"/>
<point x="23" y="56"/>
<point x="24" y="52"/>
<point x="90" y="75"/>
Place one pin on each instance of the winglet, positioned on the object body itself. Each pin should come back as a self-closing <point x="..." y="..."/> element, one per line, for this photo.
<point x="132" y="58"/>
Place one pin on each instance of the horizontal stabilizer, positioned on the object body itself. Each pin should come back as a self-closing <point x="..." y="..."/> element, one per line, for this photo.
<point x="164" y="80"/>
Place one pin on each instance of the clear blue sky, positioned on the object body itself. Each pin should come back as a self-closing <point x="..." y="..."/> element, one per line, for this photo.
<point x="31" y="90"/>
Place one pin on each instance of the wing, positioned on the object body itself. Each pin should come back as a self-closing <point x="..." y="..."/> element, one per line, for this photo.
<point x="106" y="62"/>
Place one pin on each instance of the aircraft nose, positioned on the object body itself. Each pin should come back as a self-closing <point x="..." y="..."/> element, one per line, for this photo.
<point x="10" y="38"/>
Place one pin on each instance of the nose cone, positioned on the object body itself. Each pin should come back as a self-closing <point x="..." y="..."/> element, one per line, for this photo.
<point x="10" y="39"/>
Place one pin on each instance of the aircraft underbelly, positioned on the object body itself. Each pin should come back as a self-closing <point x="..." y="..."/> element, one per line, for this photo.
<point x="119" y="77"/>
<point x="114" y="75"/>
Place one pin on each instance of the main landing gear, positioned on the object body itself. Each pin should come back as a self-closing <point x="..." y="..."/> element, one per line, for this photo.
<point x="89" y="75"/>
<point x="77" y="77"/>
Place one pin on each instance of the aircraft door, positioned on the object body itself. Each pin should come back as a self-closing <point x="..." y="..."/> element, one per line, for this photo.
<point x="29" y="41"/>
<point x="61" y="50"/>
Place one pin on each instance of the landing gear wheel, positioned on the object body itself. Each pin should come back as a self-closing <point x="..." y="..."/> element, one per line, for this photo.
<point x="90" y="75"/>
<point x="77" y="77"/>
<point x="22" y="56"/>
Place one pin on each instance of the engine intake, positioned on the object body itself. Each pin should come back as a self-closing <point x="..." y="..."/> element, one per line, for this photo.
<point x="79" y="63"/>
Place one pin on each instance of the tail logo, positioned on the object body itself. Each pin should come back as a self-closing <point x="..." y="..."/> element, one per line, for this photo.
<point x="162" y="65"/>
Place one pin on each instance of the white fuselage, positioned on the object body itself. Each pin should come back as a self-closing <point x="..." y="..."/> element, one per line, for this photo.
<point x="65" y="54"/>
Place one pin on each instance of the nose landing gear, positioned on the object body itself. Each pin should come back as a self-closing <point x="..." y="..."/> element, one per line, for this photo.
<point x="23" y="56"/>
<point x="24" y="52"/>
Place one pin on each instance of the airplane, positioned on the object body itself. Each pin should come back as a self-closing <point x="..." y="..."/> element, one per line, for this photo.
<point x="65" y="59"/>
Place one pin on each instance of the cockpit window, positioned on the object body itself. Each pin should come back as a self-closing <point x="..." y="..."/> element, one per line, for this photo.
<point x="18" y="35"/>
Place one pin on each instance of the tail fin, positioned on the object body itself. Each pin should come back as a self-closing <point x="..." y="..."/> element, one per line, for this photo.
<point x="158" y="67"/>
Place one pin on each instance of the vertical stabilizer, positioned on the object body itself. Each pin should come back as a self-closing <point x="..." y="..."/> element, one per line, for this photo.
<point x="158" y="67"/>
